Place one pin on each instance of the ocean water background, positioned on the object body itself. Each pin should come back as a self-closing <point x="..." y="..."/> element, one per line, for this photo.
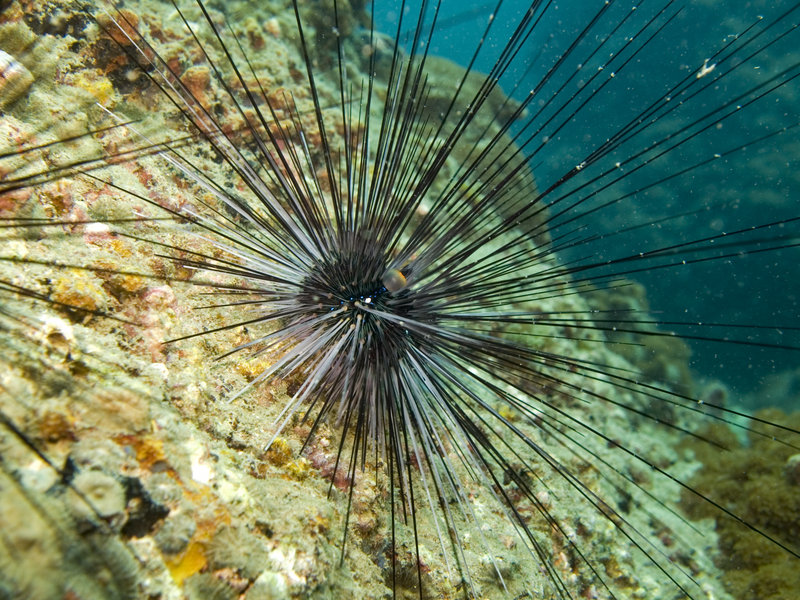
<point x="758" y="184"/>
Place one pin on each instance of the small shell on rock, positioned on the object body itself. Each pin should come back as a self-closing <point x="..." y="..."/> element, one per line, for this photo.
<point x="15" y="79"/>
<point x="103" y="491"/>
<point x="273" y="27"/>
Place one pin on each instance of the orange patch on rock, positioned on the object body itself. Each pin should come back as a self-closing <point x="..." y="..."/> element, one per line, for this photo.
<point x="121" y="27"/>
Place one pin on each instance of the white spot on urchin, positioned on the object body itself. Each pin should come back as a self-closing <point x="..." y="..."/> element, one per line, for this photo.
<point x="56" y="334"/>
<point x="202" y="472"/>
<point x="273" y="27"/>
<point x="38" y="476"/>
<point x="708" y="590"/>
<point x="161" y="296"/>
<point x="156" y="372"/>
<point x="233" y="493"/>
<point x="705" y="69"/>
<point x="489" y="561"/>
<point x="269" y="585"/>
<point x="544" y="498"/>
<point x="98" y="228"/>
<point x="52" y="324"/>
<point x="285" y="563"/>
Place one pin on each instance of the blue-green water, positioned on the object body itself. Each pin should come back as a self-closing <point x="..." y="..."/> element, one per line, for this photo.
<point x="750" y="186"/>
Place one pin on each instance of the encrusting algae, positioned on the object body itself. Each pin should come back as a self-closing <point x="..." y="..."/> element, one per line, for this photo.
<point x="146" y="483"/>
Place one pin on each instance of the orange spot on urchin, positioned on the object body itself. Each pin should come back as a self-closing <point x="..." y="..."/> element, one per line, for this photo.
<point x="55" y="426"/>
<point x="197" y="80"/>
<point x="59" y="199"/>
<point x="121" y="27"/>
<point x="149" y="450"/>
<point x="11" y="202"/>
<point x="79" y="289"/>
<point x="125" y="283"/>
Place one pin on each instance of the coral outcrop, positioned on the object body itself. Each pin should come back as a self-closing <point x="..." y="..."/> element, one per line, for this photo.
<point x="759" y="480"/>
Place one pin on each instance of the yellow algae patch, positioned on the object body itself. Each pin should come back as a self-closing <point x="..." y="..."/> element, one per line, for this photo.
<point x="79" y="289"/>
<point x="122" y="282"/>
<point x="196" y="555"/>
<point x="299" y="469"/>
<point x="250" y="369"/>
<point x="280" y="452"/>
<point x="97" y="84"/>
<point x="190" y="561"/>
